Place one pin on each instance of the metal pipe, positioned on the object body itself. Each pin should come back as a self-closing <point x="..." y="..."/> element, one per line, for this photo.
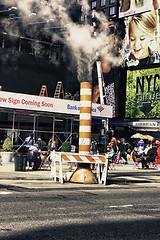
<point x="53" y="127"/>
<point x="13" y="126"/>
<point x="99" y="72"/>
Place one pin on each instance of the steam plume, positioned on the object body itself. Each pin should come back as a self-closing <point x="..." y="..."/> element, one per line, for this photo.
<point x="41" y="17"/>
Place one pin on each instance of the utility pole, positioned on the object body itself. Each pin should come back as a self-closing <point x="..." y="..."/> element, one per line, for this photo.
<point x="102" y="96"/>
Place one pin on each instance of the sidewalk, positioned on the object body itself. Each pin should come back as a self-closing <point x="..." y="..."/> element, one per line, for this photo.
<point x="7" y="171"/>
<point x="120" y="174"/>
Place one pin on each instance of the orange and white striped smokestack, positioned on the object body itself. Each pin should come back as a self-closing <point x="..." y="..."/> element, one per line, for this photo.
<point x="85" y="117"/>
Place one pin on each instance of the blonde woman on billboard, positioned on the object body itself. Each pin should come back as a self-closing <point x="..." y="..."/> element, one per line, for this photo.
<point x="143" y="44"/>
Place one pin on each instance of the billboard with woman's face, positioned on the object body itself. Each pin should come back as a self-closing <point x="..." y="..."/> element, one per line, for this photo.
<point x="142" y="40"/>
<point x="143" y="93"/>
<point x="130" y="7"/>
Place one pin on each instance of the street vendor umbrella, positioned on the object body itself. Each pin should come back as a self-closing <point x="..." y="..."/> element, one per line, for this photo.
<point x="148" y="137"/>
<point x="137" y="135"/>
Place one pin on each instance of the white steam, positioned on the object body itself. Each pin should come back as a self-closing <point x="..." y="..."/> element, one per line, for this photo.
<point x="78" y="37"/>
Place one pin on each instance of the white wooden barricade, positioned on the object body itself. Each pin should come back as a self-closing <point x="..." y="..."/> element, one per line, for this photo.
<point x="66" y="157"/>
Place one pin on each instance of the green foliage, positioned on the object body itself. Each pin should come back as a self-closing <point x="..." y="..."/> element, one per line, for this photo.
<point x="44" y="147"/>
<point x="66" y="147"/>
<point x="7" y="145"/>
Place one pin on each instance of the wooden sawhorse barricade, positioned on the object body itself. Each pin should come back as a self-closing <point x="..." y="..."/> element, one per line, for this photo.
<point x="66" y="157"/>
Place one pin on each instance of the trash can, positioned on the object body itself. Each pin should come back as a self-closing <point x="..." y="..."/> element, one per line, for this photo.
<point x="20" y="162"/>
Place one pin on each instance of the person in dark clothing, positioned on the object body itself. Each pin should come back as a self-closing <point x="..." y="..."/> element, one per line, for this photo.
<point x="35" y="156"/>
<point x="120" y="148"/>
<point x="76" y="96"/>
<point x="122" y="151"/>
<point x="149" y="157"/>
<point x="125" y="152"/>
<point x="151" y="154"/>
<point x="135" y="154"/>
<point x="40" y="143"/>
<point x="110" y="134"/>
<point x="94" y="147"/>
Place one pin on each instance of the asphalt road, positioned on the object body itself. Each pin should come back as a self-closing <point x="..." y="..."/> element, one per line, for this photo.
<point x="118" y="211"/>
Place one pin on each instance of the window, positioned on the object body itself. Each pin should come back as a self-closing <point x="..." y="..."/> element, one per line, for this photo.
<point x="93" y="4"/>
<point x="112" y="10"/>
<point x="111" y="1"/>
<point x="103" y="3"/>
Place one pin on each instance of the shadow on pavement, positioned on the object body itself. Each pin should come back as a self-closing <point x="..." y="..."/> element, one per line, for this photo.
<point x="128" y="230"/>
<point x="142" y="176"/>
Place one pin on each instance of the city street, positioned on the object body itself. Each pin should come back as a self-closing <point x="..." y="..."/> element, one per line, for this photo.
<point x="43" y="210"/>
<point x="80" y="120"/>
